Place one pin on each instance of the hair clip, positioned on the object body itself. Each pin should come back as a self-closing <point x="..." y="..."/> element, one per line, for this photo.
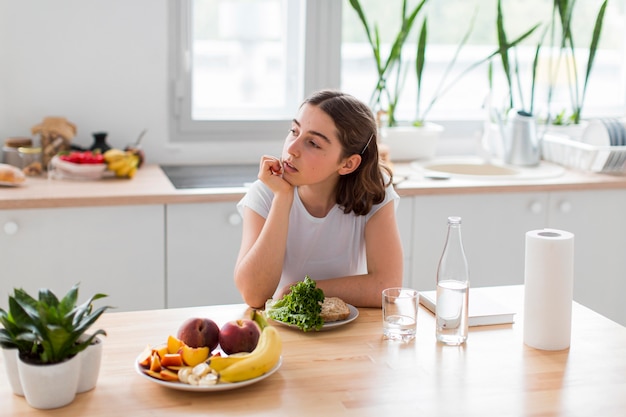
<point x="368" y="143"/>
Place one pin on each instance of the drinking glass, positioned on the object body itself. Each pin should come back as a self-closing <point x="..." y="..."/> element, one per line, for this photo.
<point x="399" y="313"/>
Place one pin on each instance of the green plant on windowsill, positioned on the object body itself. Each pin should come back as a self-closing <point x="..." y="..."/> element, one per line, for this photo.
<point x="393" y="67"/>
<point x="563" y="11"/>
<point x="48" y="330"/>
<point x="511" y="67"/>
<point x="384" y="96"/>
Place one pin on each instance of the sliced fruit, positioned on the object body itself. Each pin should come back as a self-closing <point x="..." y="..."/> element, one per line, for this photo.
<point x="170" y="360"/>
<point x="168" y="375"/>
<point x="193" y="356"/>
<point x="145" y="357"/>
<point x="153" y="374"/>
<point x="161" y="351"/>
<point x="155" y="362"/>
<point x="173" y="344"/>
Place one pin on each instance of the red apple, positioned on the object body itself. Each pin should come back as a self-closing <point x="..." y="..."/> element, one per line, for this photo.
<point x="199" y="332"/>
<point x="239" y="336"/>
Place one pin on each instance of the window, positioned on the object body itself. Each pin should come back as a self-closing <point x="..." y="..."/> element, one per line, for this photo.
<point x="240" y="68"/>
<point x="606" y="87"/>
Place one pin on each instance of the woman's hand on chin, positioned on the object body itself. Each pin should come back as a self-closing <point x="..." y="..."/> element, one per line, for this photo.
<point x="271" y="174"/>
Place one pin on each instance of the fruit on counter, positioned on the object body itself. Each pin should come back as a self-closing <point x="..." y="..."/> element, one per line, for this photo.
<point x="239" y="336"/>
<point x="263" y="358"/>
<point x="123" y="163"/>
<point x="192" y="356"/>
<point x="199" y="332"/>
<point x="137" y="151"/>
<point x="82" y="157"/>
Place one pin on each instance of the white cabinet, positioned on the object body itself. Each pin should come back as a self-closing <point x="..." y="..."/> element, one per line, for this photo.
<point x="113" y="250"/>
<point x="598" y="221"/>
<point x="404" y="218"/>
<point x="203" y="241"/>
<point x="493" y="231"/>
<point x="494" y="236"/>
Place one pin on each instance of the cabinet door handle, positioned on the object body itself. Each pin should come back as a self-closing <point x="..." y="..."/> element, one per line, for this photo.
<point x="565" y="206"/>
<point x="536" y="207"/>
<point x="10" y="228"/>
<point x="234" y="219"/>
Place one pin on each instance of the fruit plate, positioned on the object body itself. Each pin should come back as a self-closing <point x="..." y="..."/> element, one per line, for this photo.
<point x="354" y="313"/>
<point x="220" y="386"/>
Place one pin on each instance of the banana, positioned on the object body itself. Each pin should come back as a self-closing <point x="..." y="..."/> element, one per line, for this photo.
<point x="124" y="169"/>
<point x="263" y="358"/>
<point x="259" y="317"/>
<point x="113" y="155"/>
<point x="219" y="363"/>
<point x="117" y="164"/>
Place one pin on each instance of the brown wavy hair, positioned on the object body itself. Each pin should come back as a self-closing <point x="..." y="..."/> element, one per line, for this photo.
<point x="358" y="134"/>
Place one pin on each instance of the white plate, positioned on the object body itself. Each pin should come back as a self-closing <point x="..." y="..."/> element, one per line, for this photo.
<point x="11" y="184"/>
<point x="354" y="313"/>
<point x="220" y="386"/>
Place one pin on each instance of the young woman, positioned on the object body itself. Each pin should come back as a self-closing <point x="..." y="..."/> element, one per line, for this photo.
<point x="325" y="209"/>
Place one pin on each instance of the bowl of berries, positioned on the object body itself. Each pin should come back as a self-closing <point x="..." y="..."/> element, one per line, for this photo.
<point x="80" y="165"/>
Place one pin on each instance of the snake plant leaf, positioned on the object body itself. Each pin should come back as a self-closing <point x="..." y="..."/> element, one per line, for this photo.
<point x="420" y="59"/>
<point x="503" y="49"/>
<point x="597" y="30"/>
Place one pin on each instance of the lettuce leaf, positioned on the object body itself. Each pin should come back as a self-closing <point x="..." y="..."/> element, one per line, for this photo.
<point x="300" y="307"/>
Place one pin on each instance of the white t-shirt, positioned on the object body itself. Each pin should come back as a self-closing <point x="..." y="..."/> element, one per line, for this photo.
<point x="322" y="248"/>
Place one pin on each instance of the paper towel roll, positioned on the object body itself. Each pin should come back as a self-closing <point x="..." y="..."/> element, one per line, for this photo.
<point x="548" y="289"/>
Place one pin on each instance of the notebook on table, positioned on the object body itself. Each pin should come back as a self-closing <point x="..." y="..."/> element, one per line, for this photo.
<point x="484" y="310"/>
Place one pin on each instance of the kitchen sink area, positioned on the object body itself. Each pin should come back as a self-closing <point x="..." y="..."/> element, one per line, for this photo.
<point x="480" y="169"/>
<point x="211" y="176"/>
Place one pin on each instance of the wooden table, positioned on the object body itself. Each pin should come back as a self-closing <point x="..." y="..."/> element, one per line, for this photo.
<point x="352" y="371"/>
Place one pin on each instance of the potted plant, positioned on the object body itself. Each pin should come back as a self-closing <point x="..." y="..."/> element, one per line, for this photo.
<point x="563" y="11"/>
<point x="415" y="139"/>
<point x="50" y="336"/>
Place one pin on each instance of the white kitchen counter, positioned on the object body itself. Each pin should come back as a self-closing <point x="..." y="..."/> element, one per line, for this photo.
<point x="151" y="186"/>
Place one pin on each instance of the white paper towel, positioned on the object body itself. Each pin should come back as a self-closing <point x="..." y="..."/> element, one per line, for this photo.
<point x="548" y="289"/>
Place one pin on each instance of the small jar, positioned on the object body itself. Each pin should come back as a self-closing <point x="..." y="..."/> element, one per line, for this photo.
<point x="10" y="153"/>
<point x="31" y="161"/>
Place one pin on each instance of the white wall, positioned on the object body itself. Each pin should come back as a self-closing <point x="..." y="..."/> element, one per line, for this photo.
<point x="102" y="64"/>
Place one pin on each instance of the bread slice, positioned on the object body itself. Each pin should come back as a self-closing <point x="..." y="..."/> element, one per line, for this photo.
<point x="334" y="309"/>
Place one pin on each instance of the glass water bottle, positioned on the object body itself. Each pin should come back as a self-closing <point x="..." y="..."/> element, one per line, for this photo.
<point x="452" y="288"/>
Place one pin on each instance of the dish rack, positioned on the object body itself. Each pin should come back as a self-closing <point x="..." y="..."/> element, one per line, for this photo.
<point x="583" y="156"/>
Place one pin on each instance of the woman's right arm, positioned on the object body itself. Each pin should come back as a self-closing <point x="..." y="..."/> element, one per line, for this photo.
<point x="260" y="262"/>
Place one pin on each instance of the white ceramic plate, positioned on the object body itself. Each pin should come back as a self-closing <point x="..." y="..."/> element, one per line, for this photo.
<point x="11" y="184"/>
<point x="220" y="386"/>
<point x="354" y="313"/>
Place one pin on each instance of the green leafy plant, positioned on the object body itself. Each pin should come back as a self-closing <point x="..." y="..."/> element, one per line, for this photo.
<point x="385" y="67"/>
<point x="511" y="67"/>
<point x="563" y="11"/>
<point x="302" y="307"/>
<point x="394" y="62"/>
<point x="48" y="330"/>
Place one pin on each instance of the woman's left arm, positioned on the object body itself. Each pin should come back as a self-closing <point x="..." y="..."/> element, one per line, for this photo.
<point x="384" y="263"/>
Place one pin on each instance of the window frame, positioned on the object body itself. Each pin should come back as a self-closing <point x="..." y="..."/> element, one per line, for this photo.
<point x="321" y="67"/>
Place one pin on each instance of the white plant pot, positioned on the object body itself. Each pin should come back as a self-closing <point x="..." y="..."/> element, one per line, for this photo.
<point x="90" y="359"/>
<point x="59" y="390"/>
<point x="410" y="143"/>
<point x="50" y="386"/>
<point x="10" y="363"/>
<point x="574" y="132"/>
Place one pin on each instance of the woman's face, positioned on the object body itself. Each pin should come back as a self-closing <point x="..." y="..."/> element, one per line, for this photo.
<point x="312" y="151"/>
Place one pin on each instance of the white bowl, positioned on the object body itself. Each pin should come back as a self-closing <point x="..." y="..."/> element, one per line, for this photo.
<point x="65" y="169"/>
